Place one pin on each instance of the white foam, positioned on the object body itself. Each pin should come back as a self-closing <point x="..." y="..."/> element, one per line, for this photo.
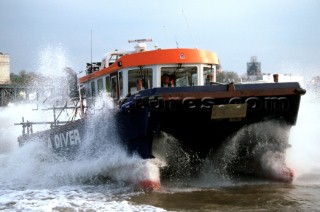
<point x="33" y="165"/>
<point x="67" y="199"/>
<point x="303" y="156"/>
<point x="9" y="132"/>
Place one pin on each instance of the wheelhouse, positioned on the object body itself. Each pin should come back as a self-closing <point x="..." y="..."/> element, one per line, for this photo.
<point x="126" y="73"/>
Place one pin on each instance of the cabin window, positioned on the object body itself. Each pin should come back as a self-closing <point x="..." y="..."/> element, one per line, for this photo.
<point x="179" y="76"/>
<point x="139" y="79"/>
<point x="108" y="88"/>
<point x="93" y="88"/>
<point x="208" y="75"/>
<point x="114" y="58"/>
<point x="120" y="83"/>
<point x="114" y="90"/>
<point x="100" y="85"/>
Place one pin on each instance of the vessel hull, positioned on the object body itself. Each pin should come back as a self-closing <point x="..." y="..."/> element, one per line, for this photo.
<point x="201" y="118"/>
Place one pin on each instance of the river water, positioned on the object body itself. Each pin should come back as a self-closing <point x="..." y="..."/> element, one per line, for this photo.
<point x="33" y="179"/>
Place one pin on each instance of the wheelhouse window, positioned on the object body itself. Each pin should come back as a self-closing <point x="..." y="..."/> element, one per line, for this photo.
<point x="93" y="88"/>
<point x="139" y="79"/>
<point x="108" y="87"/>
<point x="179" y="76"/>
<point x="208" y="75"/>
<point x="100" y="85"/>
<point x="120" y="83"/>
<point x="114" y="58"/>
<point x="114" y="90"/>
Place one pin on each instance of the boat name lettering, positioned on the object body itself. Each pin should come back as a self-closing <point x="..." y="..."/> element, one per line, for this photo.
<point x="206" y="103"/>
<point x="64" y="140"/>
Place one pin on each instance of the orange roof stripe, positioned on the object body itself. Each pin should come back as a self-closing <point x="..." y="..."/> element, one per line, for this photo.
<point x="160" y="56"/>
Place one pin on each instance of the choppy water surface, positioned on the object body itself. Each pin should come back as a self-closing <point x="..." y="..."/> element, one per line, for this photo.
<point x="254" y="196"/>
<point x="33" y="179"/>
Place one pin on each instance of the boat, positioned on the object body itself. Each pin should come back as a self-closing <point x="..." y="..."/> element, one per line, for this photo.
<point x="172" y="91"/>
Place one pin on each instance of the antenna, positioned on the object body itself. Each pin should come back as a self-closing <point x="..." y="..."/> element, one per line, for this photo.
<point x="175" y="37"/>
<point x="141" y="45"/>
<point x="91" y="53"/>
<point x="140" y="40"/>
<point x="185" y="18"/>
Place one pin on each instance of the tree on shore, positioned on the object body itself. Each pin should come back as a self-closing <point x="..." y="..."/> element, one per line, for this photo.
<point x="227" y="76"/>
<point x="25" y="78"/>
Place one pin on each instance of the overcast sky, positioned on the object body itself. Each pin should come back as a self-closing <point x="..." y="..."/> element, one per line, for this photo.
<point x="283" y="34"/>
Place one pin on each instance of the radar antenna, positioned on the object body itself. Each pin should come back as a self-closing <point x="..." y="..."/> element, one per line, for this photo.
<point x="140" y="40"/>
<point x="141" y="44"/>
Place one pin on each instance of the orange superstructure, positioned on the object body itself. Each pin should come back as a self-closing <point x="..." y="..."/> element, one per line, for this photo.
<point x="159" y="56"/>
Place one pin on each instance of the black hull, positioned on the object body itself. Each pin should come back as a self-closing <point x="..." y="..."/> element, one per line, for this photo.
<point x="187" y="113"/>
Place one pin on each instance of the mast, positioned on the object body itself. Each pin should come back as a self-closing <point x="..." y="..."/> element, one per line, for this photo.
<point x="91" y="69"/>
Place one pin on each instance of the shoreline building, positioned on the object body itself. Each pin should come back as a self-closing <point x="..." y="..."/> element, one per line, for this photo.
<point x="254" y="73"/>
<point x="254" y="69"/>
<point x="11" y="92"/>
<point x="4" y="68"/>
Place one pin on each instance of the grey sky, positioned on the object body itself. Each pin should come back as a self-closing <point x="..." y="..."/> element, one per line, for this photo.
<point x="283" y="34"/>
